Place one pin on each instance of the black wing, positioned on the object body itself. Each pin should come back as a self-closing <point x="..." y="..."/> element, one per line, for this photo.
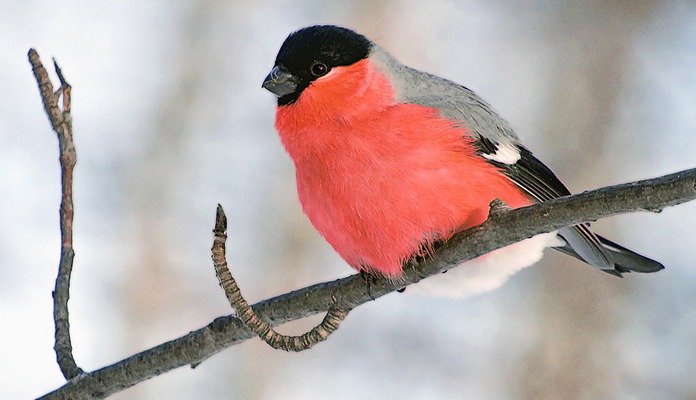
<point x="535" y="178"/>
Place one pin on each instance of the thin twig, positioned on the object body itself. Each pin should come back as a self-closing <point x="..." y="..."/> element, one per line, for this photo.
<point x="333" y="318"/>
<point x="61" y="121"/>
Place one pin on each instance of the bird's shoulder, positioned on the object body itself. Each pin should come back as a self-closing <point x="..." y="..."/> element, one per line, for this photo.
<point x="452" y="100"/>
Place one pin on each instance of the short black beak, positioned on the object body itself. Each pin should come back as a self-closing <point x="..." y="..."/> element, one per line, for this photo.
<point x="280" y="82"/>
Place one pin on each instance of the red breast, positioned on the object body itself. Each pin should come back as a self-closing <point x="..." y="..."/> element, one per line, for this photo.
<point x="381" y="181"/>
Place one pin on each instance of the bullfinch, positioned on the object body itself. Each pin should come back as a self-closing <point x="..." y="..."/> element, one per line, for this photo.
<point x="390" y="160"/>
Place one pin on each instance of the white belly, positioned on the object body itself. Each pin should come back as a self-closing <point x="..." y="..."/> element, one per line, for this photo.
<point x="488" y="271"/>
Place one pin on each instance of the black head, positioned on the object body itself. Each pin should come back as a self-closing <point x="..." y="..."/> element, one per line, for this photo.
<point x="311" y="53"/>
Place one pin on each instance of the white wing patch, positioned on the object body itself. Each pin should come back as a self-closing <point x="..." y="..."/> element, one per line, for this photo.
<point x="487" y="272"/>
<point x="506" y="153"/>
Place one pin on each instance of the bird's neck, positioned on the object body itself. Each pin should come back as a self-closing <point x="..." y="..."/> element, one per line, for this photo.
<point x="339" y="101"/>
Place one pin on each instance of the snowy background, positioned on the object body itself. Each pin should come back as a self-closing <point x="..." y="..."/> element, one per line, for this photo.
<point x="170" y="119"/>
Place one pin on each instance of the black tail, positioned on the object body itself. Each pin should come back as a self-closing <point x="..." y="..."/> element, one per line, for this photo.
<point x="621" y="259"/>
<point x="626" y="260"/>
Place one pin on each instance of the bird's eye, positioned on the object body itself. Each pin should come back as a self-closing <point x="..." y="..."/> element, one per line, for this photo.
<point x="319" y="69"/>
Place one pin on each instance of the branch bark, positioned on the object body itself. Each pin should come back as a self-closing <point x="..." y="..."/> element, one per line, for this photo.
<point x="500" y="230"/>
<point x="262" y="329"/>
<point x="61" y="121"/>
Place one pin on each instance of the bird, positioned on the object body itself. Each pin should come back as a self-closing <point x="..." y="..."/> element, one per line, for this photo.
<point x="390" y="160"/>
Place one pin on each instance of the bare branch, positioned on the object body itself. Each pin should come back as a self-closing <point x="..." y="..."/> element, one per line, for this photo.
<point x="500" y="230"/>
<point x="61" y="121"/>
<point x="333" y="318"/>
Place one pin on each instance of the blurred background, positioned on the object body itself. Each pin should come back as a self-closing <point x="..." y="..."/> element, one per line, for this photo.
<point x="170" y="119"/>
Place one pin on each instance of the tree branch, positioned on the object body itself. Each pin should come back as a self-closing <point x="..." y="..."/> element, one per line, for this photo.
<point x="500" y="230"/>
<point x="61" y="121"/>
